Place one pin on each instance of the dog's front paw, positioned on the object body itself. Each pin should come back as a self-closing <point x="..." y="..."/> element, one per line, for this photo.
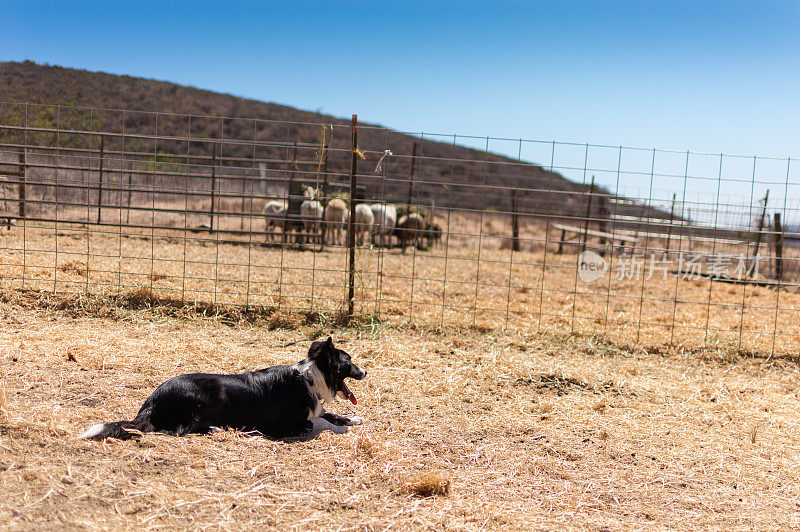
<point x="356" y="421"/>
<point x="319" y="425"/>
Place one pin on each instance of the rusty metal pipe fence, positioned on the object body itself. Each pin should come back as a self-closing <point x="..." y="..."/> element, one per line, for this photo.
<point x="641" y="246"/>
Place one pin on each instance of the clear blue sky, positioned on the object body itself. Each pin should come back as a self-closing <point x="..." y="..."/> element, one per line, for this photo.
<point x="707" y="76"/>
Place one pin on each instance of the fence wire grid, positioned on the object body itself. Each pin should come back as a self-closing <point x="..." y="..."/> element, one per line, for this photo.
<point x="645" y="246"/>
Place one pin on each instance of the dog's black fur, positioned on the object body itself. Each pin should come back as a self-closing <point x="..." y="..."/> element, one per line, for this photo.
<point x="279" y="401"/>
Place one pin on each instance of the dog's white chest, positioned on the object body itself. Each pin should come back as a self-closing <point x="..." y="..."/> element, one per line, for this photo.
<point x="322" y="393"/>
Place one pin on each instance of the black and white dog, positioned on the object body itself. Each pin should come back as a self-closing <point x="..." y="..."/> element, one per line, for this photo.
<point x="279" y="401"/>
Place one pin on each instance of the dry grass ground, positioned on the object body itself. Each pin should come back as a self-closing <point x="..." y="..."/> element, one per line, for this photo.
<point x="470" y="282"/>
<point x="675" y="408"/>
<point x="464" y="429"/>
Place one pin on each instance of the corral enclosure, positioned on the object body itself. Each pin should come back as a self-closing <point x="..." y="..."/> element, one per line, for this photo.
<point x="691" y="248"/>
<point x="515" y="380"/>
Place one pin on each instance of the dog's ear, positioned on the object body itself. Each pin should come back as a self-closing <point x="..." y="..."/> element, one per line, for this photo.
<point x="316" y="349"/>
<point x="321" y="349"/>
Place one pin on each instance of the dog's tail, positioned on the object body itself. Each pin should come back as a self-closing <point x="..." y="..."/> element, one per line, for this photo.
<point x="121" y="430"/>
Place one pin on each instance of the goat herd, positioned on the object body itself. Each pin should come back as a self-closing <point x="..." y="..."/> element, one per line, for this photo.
<point x="375" y="223"/>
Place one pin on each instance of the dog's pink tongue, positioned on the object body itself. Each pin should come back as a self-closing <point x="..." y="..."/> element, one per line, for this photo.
<point x="352" y="398"/>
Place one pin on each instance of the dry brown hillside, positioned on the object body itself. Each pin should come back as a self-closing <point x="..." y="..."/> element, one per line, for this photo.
<point x="451" y="175"/>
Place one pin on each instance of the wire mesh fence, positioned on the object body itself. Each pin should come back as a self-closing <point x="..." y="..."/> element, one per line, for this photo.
<point x="645" y="246"/>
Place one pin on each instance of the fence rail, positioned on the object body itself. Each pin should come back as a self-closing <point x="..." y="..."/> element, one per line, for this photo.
<point x="643" y="246"/>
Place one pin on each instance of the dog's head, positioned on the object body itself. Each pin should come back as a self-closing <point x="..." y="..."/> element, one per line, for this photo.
<point x="335" y="366"/>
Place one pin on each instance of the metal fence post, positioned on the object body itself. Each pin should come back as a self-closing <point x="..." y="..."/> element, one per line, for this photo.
<point x="100" y="180"/>
<point x="588" y="215"/>
<point x="244" y="183"/>
<point x="23" y="173"/>
<point x="130" y="190"/>
<point x="325" y="198"/>
<point x="351" y="228"/>
<point x="213" y="183"/>
<point x="514" y="222"/>
<point x="778" y="247"/>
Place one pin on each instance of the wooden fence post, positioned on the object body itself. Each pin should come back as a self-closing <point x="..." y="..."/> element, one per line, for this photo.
<point x="689" y="235"/>
<point x="588" y="215"/>
<point x="778" y="247"/>
<point x="351" y="228"/>
<point x="761" y="221"/>
<point x="294" y="193"/>
<point x="669" y="227"/>
<point x="262" y="179"/>
<point x="23" y="177"/>
<point x="411" y="177"/>
<point x="602" y="210"/>
<point x="100" y="180"/>
<point x="514" y="221"/>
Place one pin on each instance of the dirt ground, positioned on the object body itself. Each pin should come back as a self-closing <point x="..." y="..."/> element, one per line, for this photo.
<point x="465" y="428"/>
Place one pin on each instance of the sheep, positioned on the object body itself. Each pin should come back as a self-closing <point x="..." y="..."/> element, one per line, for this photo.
<point x="310" y="193"/>
<point x="364" y="220"/>
<point x="410" y="228"/>
<point x="385" y="219"/>
<point x="336" y="216"/>
<point x="311" y="211"/>
<point x="275" y="215"/>
<point x="433" y="234"/>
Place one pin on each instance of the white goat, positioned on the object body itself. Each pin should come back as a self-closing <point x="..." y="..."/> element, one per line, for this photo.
<point x="385" y="217"/>
<point x="336" y="216"/>
<point x="364" y="221"/>
<point x="274" y="213"/>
